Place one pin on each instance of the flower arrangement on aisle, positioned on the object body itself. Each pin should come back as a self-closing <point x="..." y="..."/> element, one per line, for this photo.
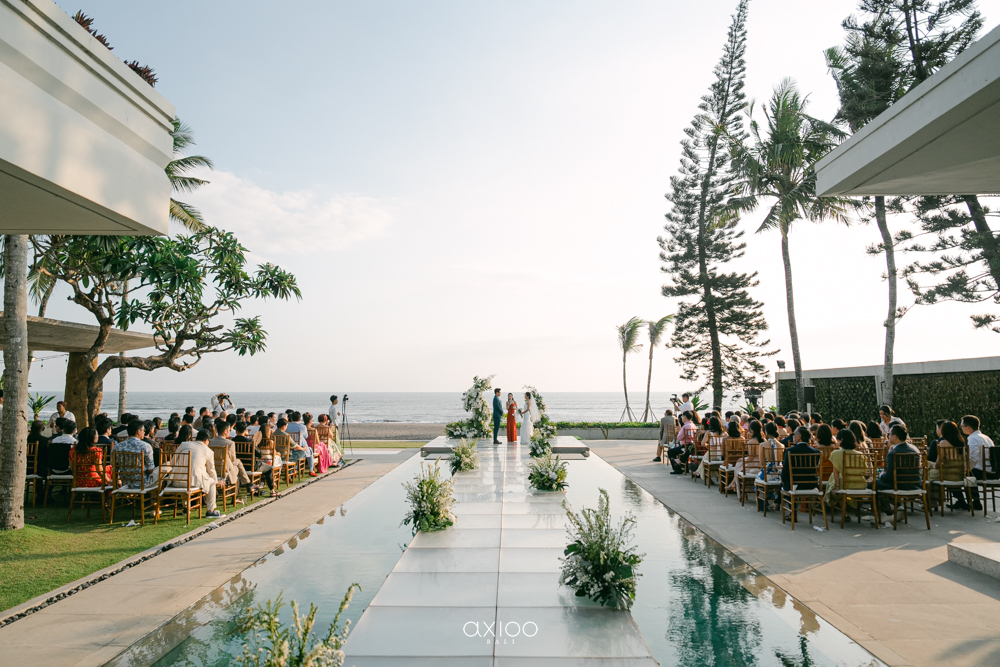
<point x="430" y="498"/>
<point x="474" y="402"/>
<point x="539" y="445"/>
<point x="600" y="562"/>
<point x="548" y="473"/>
<point x="464" y="457"/>
<point x="544" y="428"/>
<point x="271" y="644"/>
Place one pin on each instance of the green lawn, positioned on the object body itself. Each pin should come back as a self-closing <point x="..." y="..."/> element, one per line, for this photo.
<point x="49" y="552"/>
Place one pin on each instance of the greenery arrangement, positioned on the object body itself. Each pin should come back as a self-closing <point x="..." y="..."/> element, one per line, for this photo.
<point x="547" y="473"/>
<point x="477" y="425"/>
<point x="544" y="428"/>
<point x="430" y="498"/>
<point x="600" y="562"/>
<point x="37" y="403"/>
<point x="271" y="644"/>
<point x="465" y="457"/>
<point x="539" y="446"/>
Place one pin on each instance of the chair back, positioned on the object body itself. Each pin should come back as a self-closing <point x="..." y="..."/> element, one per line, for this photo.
<point x="282" y="444"/>
<point x="857" y="470"/>
<point x="179" y="470"/>
<point x="736" y="449"/>
<point x="751" y="457"/>
<point x="59" y="455"/>
<point x="825" y="467"/>
<point x="167" y="450"/>
<point x="803" y="469"/>
<point x="908" y="472"/>
<point x="85" y="465"/>
<point x="877" y="443"/>
<point x="257" y="438"/>
<point x="312" y="433"/>
<point x="219" y="454"/>
<point x="716" y="447"/>
<point x="32" y="458"/>
<point x="919" y="443"/>
<point x="296" y="437"/>
<point x="323" y="434"/>
<point x="953" y="463"/>
<point x="128" y="469"/>
<point x="245" y="452"/>
<point x="671" y="432"/>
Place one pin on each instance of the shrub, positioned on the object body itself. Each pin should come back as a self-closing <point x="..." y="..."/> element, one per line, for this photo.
<point x="600" y="562"/>
<point x="464" y="457"/>
<point x="430" y="498"/>
<point x="548" y="473"/>
<point x="269" y="644"/>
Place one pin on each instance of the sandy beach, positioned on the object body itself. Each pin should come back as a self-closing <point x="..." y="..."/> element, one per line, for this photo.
<point x="394" y="431"/>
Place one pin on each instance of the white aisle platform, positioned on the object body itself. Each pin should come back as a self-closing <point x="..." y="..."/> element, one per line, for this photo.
<point x="486" y="591"/>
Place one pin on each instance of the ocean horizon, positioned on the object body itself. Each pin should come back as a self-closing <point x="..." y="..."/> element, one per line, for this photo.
<point x="403" y="407"/>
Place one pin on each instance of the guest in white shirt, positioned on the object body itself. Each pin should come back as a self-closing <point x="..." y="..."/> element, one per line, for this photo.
<point x="888" y="419"/>
<point x="686" y="406"/>
<point x="61" y="411"/>
<point x="980" y="448"/>
<point x="221" y="402"/>
<point x="295" y="425"/>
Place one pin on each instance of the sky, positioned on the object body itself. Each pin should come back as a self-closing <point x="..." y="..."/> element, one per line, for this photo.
<point x="475" y="188"/>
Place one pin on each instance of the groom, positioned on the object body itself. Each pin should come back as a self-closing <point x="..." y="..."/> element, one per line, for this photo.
<point x="497" y="413"/>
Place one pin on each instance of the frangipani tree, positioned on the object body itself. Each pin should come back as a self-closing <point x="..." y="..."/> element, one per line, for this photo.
<point x="776" y="163"/>
<point x="628" y="342"/>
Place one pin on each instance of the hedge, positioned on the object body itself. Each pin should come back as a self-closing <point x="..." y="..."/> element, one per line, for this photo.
<point x="562" y="425"/>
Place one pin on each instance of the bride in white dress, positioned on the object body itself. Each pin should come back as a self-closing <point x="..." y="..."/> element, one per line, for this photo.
<point x="529" y="415"/>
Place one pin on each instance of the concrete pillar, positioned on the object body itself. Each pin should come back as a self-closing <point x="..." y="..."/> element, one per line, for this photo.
<point x="76" y="388"/>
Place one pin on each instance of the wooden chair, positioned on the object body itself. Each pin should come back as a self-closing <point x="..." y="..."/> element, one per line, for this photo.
<point x="167" y="449"/>
<point x="83" y="467"/>
<point x="825" y="467"/>
<point x="746" y="478"/>
<point x="735" y="450"/>
<point x="857" y="473"/>
<point x="907" y="471"/>
<point x="58" y="457"/>
<point x="283" y="445"/>
<point x="804" y="470"/>
<point x="246" y="452"/>
<point x="32" y="477"/>
<point x="301" y="467"/>
<point x="764" y="487"/>
<point x="714" y="457"/>
<point x="130" y="468"/>
<point x="228" y="490"/>
<point x="953" y="468"/>
<point x="988" y="486"/>
<point x="179" y="473"/>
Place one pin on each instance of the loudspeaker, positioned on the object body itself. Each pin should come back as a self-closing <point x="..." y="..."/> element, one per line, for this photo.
<point x="810" y="395"/>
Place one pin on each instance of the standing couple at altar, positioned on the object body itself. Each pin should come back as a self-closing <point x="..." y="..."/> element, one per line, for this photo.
<point x="529" y="415"/>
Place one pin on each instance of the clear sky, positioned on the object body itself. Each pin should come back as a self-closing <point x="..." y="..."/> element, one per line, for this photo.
<point x="476" y="187"/>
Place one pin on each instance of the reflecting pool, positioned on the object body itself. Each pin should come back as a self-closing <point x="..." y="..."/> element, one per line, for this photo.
<point x="697" y="604"/>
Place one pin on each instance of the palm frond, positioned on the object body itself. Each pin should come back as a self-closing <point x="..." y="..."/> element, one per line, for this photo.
<point x="656" y="328"/>
<point x="628" y="335"/>
<point x="186" y="215"/>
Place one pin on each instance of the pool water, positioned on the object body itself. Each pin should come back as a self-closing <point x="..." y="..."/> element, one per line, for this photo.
<point x="697" y="604"/>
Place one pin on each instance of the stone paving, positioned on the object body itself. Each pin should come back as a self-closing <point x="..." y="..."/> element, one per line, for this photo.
<point x="94" y="625"/>
<point x="894" y="592"/>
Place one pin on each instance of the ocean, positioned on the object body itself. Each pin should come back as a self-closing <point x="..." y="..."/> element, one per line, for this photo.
<point x="406" y="407"/>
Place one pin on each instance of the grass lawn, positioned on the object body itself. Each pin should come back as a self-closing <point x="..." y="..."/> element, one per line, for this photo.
<point x="49" y="552"/>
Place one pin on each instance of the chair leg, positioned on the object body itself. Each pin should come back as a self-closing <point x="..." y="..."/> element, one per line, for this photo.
<point x="822" y="508"/>
<point x="927" y="512"/>
<point x="72" y="497"/>
<point x="843" y="511"/>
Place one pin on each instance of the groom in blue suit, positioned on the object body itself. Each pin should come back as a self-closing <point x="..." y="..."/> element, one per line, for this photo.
<point x="497" y="413"/>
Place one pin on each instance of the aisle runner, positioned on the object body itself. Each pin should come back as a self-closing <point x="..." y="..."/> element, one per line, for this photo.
<point x="486" y="591"/>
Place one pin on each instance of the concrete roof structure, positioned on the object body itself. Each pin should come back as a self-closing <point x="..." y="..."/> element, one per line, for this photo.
<point x="942" y="137"/>
<point x="59" y="336"/>
<point x="84" y="140"/>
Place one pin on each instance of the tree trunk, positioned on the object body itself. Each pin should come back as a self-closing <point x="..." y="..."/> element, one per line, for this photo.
<point x="890" y="321"/>
<point x="14" y="438"/>
<point x="628" y="410"/>
<point x="793" y="330"/>
<point x="648" y="412"/>
<point x="122" y="376"/>
<point x="707" y="296"/>
<point x="985" y="238"/>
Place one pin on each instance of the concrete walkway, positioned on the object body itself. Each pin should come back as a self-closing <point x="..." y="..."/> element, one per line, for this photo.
<point x="94" y="625"/>
<point x="893" y="592"/>
<point x="486" y="591"/>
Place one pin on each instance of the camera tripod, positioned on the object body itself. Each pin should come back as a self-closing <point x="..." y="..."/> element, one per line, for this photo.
<point x="345" y="428"/>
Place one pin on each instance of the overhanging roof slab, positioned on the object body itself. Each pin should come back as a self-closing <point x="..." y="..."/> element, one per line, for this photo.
<point x="943" y="137"/>
<point x="59" y="336"/>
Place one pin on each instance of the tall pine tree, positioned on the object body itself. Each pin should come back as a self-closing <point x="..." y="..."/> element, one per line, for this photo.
<point x="717" y="322"/>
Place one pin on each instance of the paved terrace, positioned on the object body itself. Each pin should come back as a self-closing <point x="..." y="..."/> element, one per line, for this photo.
<point x="895" y="593"/>
<point x="92" y="626"/>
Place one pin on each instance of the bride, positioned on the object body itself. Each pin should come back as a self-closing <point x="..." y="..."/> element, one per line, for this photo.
<point x="529" y="415"/>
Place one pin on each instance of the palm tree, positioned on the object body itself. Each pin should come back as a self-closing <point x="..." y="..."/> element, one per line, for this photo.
<point x="779" y="165"/>
<point x="176" y="169"/>
<point x="628" y="335"/>
<point x="655" y="330"/>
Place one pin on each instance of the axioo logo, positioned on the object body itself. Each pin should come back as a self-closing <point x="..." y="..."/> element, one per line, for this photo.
<point x="499" y="632"/>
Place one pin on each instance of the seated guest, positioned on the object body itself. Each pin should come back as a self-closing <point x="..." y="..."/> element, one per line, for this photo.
<point x="122" y="430"/>
<point x="861" y="441"/>
<point x="836" y="481"/>
<point x="136" y="431"/>
<point x="184" y="434"/>
<point x="800" y="445"/>
<point x="756" y="437"/>
<point x="873" y="430"/>
<point x="836" y="425"/>
<point x="898" y="445"/>
<point x="667" y="430"/>
<point x="295" y="425"/>
<point x="235" y="470"/>
<point x="321" y="455"/>
<point x="188" y="419"/>
<point x="733" y="430"/>
<point x="265" y="469"/>
<point x="173" y="426"/>
<point x="948" y="437"/>
<point x="816" y="418"/>
<point x="104" y="426"/>
<point x="253" y="425"/>
<point x="99" y="474"/>
<point x="68" y="429"/>
<point x="980" y="454"/>
<point x="678" y="456"/>
<point x="231" y="420"/>
<point x="202" y="462"/>
<point x="789" y="439"/>
<point x="295" y="452"/>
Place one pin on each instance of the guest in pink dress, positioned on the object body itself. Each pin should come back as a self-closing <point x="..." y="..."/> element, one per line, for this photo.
<point x="320" y="452"/>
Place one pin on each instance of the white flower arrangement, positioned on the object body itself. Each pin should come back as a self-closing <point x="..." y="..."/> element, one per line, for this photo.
<point x="464" y="457"/>
<point x="474" y="402"/>
<point x="600" y="561"/>
<point x="544" y="429"/>
<point x="430" y="498"/>
<point x="548" y="473"/>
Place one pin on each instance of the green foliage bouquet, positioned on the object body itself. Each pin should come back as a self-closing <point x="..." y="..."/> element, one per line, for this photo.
<point x="544" y="428"/>
<point x="548" y="473"/>
<point x="539" y="445"/>
<point x="270" y="644"/>
<point x="464" y="457"/>
<point x="430" y="498"/>
<point x="600" y="562"/>
<point x="481" y="414"/>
